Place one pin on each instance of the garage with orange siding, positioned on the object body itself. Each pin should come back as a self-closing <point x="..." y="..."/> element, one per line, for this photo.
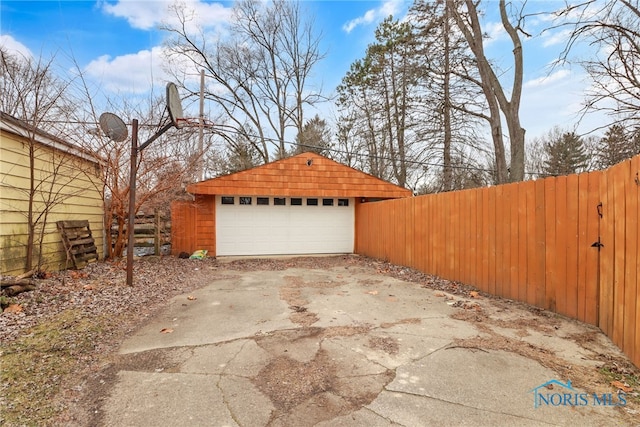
<point x="304" y="204"/>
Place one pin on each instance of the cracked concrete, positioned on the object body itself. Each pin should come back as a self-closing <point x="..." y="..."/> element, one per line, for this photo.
<point x="381" y="352"/>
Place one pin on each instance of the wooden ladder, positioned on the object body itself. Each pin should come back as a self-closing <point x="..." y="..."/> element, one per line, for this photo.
<point x="78" y="242"/>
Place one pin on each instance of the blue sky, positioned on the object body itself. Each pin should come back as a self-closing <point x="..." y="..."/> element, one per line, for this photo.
<point x="118" y="45"/>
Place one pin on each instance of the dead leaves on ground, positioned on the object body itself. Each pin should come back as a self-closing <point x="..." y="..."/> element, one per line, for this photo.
<point x="622" y="386"/>
<point x="13" y="308"/>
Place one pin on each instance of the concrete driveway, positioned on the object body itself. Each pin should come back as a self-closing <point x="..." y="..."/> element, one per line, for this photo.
<point x="349" y="346"/>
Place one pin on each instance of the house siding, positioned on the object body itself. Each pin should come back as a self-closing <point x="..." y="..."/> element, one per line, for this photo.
<point x="73" y="181"/>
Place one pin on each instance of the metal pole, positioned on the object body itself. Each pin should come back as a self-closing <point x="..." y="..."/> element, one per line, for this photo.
<point x="132" y="201"/>
<point x="201" y="133"/>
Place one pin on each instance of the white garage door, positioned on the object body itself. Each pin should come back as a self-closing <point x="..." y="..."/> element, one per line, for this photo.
<point x="283" y="226"/>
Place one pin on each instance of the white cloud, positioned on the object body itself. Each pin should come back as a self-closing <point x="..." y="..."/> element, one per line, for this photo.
<point x="549" y="79"/>
<point x="146" y="15"/>
<point x="557" y="100"/>
<point x="556" y="38"/>
<point x="140" y="14"/>
<point x="14" y="46"/>
<point x="132" y="73"/>
<point x="388" y="7"/>
<point x="367" y="18"/>
<point x="494" y="31"/>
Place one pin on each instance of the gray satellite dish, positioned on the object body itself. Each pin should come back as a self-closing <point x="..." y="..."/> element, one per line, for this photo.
<point x="113" y="127"/>
<point x="174" y="105"/>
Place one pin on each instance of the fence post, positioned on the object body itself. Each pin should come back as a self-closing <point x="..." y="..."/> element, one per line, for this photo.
<point x="156" y="235"/>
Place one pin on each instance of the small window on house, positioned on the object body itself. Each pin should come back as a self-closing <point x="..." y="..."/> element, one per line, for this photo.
<point x="262" y="201"/>
<point x="279" y="201"/>
<point x="227" y="200"/>
<point x="312" y="202"/>
<point x="245" y="200"/>
<point x="343" y="202"/>
<point x="296" y="202"/>
<point x="327" y="202"/>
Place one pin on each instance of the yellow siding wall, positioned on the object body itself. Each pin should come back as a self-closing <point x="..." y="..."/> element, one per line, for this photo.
<point x="69" y="185"/>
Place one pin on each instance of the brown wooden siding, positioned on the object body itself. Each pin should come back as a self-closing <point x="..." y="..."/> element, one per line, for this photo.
<point x="193" y="225"/>
<point x="530" y="241"/>
<point x="183" y="227"/>
<point x="294" y="177"/>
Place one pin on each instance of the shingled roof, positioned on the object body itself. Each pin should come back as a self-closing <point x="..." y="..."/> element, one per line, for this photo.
<point x="306" y="175"/>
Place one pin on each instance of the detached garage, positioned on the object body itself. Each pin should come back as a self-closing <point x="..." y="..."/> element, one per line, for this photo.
<point x="304" y="204"/>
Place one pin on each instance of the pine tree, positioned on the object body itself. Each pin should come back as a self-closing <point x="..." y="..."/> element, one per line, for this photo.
<point x="565" y="154"/>
<point x="614" y="147"/>
<point x="315" y="137"/>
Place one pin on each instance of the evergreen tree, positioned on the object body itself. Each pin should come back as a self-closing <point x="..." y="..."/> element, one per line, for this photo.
<point x="616" y="146"/>
<point x="315" y="137"/>
<point x="565" y="154"/>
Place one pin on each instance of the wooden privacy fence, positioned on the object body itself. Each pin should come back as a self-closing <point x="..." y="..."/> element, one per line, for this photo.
<point x="566" y="244"/>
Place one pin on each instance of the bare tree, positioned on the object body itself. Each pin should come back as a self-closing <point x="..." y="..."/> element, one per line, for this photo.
<point x="500" y="104"/>
<point x="613" y="29"/>
<point x="449" y="85"/>
<point x="163" y="168"/>
<point x="31" y="93"/>
<point x="259" y="71"/>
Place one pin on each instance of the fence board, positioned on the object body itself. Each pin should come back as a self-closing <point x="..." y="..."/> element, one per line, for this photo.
<point x="423" y="239"/>
<point x="561" y="246"/>
<point x="571" y="293"/>
<point x="411" y="231"/>
<point x="582" y="214"/>
<point x="499" y="242"/>
<point x="461" y="244"/>
<point x="492" y="250"/>
<point x="592" y="264"/>
<point x="523" y="238"/>
<point x="431" y="253"/>
<point x="475" y="211"/>
<point x="619" y="174"/>
<point x="453" y="226"/>
<point x="635" y="172"/>
<point x="541" y="244"/>
<point x="531" y="255"/>
<point x="505" y="242"/>
<point x="550" y="244"/>
<point x="606" y="257"/>
<point x="464" y="236"/>
<point x="514" y="241"/>
<point x="442" y="231"/>
<point x="630" y="262"/>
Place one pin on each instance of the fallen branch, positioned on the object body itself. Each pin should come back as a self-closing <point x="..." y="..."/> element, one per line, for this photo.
<point x="16" y="282"/>
<point x="468" y="347"/>
<point x="17" y="289"/>
<point x="26" y="275"/>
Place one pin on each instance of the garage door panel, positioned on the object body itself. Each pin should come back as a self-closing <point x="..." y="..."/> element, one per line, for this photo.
<point x="272" y="230"/>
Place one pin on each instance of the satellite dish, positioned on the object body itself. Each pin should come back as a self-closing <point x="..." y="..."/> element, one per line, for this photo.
<point x="174" y="105"/>
<point x="113" y="127"/>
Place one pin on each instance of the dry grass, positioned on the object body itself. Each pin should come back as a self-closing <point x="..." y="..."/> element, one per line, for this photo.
<point x="34" y="365"/>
